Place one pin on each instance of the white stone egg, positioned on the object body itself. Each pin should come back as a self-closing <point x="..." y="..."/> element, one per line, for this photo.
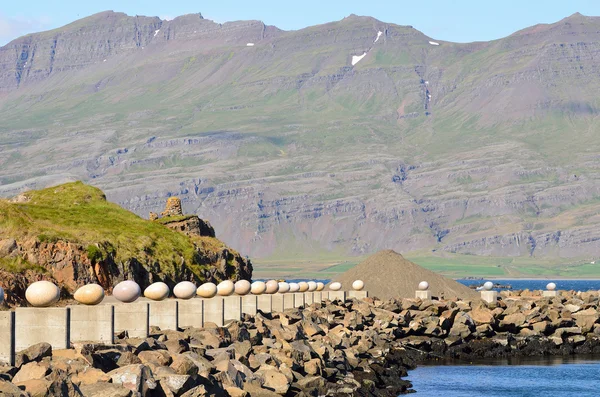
<point x="242" y="287"/>
<point x="225" y="288"/>
<point x="294" y="287"/>
<point x="283" y="287"/>
<point x="258" y="287"/>
<point x="358" y="285"/>
<point x="127" y="291"/>
<point x="320" y="286"/>
<point x="42" y="294"/>
<point x="207" y="290"/>
<point x="488" y="285"/>
<point x="551" y="286"/>
<point x="303" y="286"/>
<point x="272" y="287"/>
<point x="312" y="286"/>
<point x="157" y="291"/>
<point x="335" y="286"/>
<point x="90" y="294"/>
<point x="423" y="286"/>
<point x="185" y="290"/>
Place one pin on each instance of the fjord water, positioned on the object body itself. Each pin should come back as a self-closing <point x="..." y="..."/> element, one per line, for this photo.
<point x="520" y="284"/>
<point x="555" y="376"/>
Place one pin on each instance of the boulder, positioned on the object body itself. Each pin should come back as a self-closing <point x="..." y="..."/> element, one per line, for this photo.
<point x="137" y="378"/>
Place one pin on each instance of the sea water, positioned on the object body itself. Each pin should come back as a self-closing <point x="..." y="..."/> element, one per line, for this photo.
<point x="575" y="285"/>
<point x="540" y="377"/>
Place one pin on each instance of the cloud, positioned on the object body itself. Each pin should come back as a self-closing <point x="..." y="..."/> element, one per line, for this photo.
<point x="15" y="26"/>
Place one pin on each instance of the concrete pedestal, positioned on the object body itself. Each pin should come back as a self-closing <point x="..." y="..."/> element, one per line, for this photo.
<point x="324" y="296"/>
<point x="357" y="294"/>
<point x="233" y="308"/>
<point x="337" y="296"/>
<point x="288" y="301"/>
<point x="133" y="318"/>
<point x="42" y="324"/>
<point x="265" y="303"/>
<point x="93" y="323"/>
<point x="278" y="302"/>
<point x="190" y="313"/>
<point x="298" y="299"/>
<point x="214" y="311"/>
<point x="549" y="294"/>
<point x="163" y="314"/>
<point x="249" y="304"/>
<point x="309" y="298"/>
<point x="7" y="337"/>
<point x="423" y="294"/>
<point x="489" y="296"/>
<point x="317" y="297"/>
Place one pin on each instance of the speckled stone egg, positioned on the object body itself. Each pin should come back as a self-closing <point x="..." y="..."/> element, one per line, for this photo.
<point x="283" y="287"/>
<point x="157" y="291"/>
<point x="423" y="286"/>
<point x="185" y="290"/>
<point x="90" y="294"/>
<point x="242" y="287"/>
<point x="303" y="286"/>
<point x="127" y="291"/>
<point x="358" y="285"/>
<point x="294" y="287"/>
<point x="312" y="286"/>
<point x="225" y="288"/>
<point x="272" y="287"/>
<point x="335" y="286"/>
<point x="207" y="290"/>
<point x="258" y="287"/>
<point x="42" y="294"/>
<point x="320" y="286"/>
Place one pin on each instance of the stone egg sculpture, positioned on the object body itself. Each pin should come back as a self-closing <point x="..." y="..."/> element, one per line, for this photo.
<point x="272" y="287"/>
<point x="551" y="286"/>
<point x="303" y="286"/>
<point x="335" y="286"/>
<point x="258" y="287"/>
<point x="488" y="285"/>
<point x="423" y="286"/>
<point x="184" y="290"/>
<point x="283" y="287"/>
<point x="294" y="287"/>
<point x="127" y="291"/>
<point x="225" y="288"/>
<point x="42" y="294"/>
<point x="1" y="295"/>
<point x="358" y="285"/>
<point x="242" y="287"/>
<point x="312" y="286"/>
<point x="320" y="286"/>
<point x="90" y="294"/>
<point x="157" y="291"/>
<point x="207" y="290"/>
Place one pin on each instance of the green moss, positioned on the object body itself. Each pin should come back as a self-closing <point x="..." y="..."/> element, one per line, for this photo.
<point x="19" y="265"/>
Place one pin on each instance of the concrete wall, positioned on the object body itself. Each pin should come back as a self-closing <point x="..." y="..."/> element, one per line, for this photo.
<point x="265" y="303"/>
<point x="190" y="313"/>
<point x="232" y="308"/>
<point x="249" y="304"/>
<point x="42" y="324"/>
<point x="92" y="323"/>
<point x="278" y="302"/>
<point x="288" y="302"/>
<point x="7" y="337"/>
<point x="317" y="296"/>
<point x="133" y="318"/>
<point x="298" y="299"/>
<point x="337" y="295"/>
<point x="214" y="310"/>
<point x="357" y="294"/>
<point x="309" y="298"/>
<point x="164" y="314"/>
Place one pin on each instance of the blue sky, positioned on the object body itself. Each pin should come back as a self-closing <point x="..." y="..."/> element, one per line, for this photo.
<point x="452" y="20"/>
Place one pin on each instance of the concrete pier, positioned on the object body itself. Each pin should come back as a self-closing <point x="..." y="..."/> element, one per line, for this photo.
<point x="299" y="299"/>
<point x="489" y="296"/>
<point x="358" y="294"/>
<point x="423" y="294"/>
<point x="164" y="314"/>
<point x="42" y="324"/>
<point x="190" y="313"/>
<point x="337" y="295"/>
<point x="249" y="304"/>
<point x="265" y="303"/>
<point x="93" y="323"/>
<point x="232" y="309"/>
<point x="278" y="302"/>
<point x="309" y="298"/>
<point x="7" y="337"/>
<point x="214" y="310"/>
<point x="133" y="318"/>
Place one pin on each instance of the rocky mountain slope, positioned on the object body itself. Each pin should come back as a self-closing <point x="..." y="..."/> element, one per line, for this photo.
<point x="347" y="137"/>
<point x="71" y="235"/>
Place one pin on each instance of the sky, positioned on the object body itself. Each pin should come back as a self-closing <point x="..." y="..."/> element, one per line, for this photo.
<point x="451" y="20"/>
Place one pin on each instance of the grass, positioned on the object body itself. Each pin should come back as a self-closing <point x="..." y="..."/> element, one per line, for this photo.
<point x="79" y="213"/>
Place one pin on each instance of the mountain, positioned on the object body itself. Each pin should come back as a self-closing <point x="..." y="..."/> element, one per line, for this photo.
<point x="334" y="140"/>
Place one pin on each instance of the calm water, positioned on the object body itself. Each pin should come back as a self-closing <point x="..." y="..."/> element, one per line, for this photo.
<point x="572" y="376"/>
<point x="576" y="285"/>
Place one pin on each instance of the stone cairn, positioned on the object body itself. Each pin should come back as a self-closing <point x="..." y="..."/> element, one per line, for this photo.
<point x="173" y="207"/>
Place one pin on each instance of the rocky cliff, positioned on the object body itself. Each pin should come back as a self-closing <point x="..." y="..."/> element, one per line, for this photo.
<point x="42" y="236"/>
<point x="348" y="137"/>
